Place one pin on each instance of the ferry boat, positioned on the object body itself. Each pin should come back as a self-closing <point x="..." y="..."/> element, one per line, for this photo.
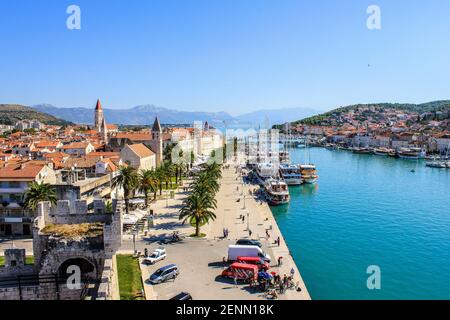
<point x="411" y="153"/>
<point x="277" y="192"/>
<point x="266" y="171"/>
<point x="309" y="173"/>
<point x="291" y="174"/>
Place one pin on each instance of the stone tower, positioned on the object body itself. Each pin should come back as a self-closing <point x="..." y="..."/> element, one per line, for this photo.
<point x="157" y="144"/>
<point x="104" y="132"/>
<point x="99" y="117"/>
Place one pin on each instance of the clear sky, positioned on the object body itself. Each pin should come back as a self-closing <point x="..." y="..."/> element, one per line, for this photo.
<point x="230" y="55"/>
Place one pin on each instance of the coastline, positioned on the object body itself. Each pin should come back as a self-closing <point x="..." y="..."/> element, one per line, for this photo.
<point x="231" y="205"/>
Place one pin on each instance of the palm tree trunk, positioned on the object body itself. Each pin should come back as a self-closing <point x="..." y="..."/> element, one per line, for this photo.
<point x="146" y="199"/>
<point x="127" y="210"/>
<point x="197" y="227"/>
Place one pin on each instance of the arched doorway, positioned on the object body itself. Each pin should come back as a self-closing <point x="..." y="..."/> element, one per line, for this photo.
<point x="86" y="267"/>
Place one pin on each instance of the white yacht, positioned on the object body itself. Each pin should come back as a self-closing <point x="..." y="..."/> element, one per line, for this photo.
<point x="291" y="174"/>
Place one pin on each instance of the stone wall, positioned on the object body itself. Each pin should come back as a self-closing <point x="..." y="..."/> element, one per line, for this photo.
<point x="109" y="285"/>
<point x="49" y="291"/>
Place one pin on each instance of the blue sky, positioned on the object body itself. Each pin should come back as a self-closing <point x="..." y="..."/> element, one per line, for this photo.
<point x="230" y="55"/>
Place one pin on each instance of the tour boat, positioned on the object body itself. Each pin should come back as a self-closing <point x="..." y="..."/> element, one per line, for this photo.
<point x="309" y="173"/>
<point x="266" y="171"/>
<point x="291" y="174"/>
<point x="277" y="192"/>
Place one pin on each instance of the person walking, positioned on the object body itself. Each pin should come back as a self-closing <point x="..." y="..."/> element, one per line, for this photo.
<point x="235" y="281"/>
<point x="250" y="233"/>
<point x="292" y="273"/>
<point x="278" y="241"/>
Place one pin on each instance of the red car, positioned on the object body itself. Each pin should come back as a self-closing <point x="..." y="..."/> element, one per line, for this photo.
<point x="261" y="263"/>
<point x="241" y="271"/>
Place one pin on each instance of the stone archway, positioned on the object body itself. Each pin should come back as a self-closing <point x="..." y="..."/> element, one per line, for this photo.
<point x="87" y="268"/>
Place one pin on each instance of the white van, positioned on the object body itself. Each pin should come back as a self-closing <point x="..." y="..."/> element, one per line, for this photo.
<point x="235" y="251"/>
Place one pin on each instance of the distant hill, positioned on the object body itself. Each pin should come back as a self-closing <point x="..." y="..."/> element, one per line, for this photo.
<point x="145" y="115"/>
<point x="140" y="115"/>
<point x="434" y="106"/>
<point x="11" y="113"/>
<point x="273" y="116"/>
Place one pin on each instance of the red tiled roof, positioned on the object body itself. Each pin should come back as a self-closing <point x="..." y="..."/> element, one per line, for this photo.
<point x="141" y="150"/>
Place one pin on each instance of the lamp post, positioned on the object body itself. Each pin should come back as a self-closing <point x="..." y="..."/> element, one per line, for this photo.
<point x="248" y="221"/>
<point x="134" y="242"/>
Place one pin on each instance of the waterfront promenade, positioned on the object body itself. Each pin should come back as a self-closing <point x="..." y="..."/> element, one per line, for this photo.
<point x="200" y="260"/>
<point x="260" y="219"/>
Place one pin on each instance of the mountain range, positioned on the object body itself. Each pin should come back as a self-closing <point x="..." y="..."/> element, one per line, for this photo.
<point x="145" y="115"/>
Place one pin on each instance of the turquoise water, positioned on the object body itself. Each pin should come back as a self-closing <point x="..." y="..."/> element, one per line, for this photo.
<point x="370" y="210"/>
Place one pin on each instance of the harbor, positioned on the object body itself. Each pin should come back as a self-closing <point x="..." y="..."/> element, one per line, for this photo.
<point x="200" y="260"/>
<point x="369" y="210"/>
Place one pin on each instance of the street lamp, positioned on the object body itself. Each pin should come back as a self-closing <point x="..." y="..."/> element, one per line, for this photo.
<point x="134" y="242"/>
<point x="248" y="221"/>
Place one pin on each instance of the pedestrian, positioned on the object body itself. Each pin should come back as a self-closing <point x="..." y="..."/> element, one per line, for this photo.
<point x="267" y="235"/>
<point x="278" y="241"/>
<point x="281" y="287"/>
<point x="250" y="233"/>
<point x="292" y="273"/>
<point x="280" y="261"/>
<point x="235" y="281"/>
<point x="243" y="218"/>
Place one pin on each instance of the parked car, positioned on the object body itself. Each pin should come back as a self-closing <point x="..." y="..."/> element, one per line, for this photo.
<point x="235" y="251"/>
<point x="183" y="296"/>
<point x="163" y="274"/>
<point x="157" y="255"/>
<point x="257" y="261"/>
<point x="248" y="242"/>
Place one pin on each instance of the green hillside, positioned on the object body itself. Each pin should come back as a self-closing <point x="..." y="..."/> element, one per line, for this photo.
<point x="11" y="113"/>
<point x="429" y="107"/>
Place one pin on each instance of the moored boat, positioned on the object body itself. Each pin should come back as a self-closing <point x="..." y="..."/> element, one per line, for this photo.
<point x="309" y="173"/>
<point x="277" y="192"/>
<point x="382" y="151"/>
<point x="411" y="153"/>
<point x="362" y="150"/>
<point x="266" y="171"/>
<point x="291" y="174"/>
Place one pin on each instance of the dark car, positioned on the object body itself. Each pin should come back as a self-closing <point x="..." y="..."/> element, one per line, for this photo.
<point x="248" y="242"/>
<point x="183" y="296"/>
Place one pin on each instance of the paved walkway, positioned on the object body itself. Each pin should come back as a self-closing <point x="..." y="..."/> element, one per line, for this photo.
<point x="260" y="219"/>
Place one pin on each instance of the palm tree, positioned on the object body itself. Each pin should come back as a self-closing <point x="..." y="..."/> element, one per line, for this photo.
<point x="39" y="192"/>
<point x="127" y="179"/>
<point x="198" y="210"/>
<point x="204" y="182"/>
<point x="214" y="170"/>
<point x="160" y="177"/>
<point x="148" y="183"/>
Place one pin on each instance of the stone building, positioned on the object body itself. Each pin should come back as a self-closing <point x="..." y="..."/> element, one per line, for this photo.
<point x="66" y="243"/>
